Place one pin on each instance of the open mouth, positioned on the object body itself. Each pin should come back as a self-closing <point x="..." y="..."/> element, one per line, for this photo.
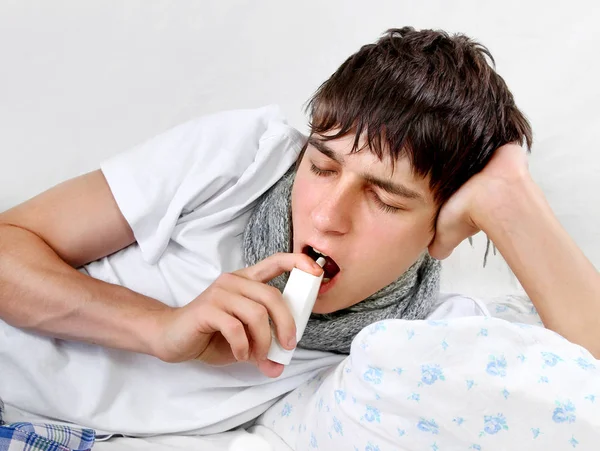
<point x="330" y="269"/>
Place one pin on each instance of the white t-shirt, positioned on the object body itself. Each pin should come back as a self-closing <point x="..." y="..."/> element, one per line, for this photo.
<point x="187" y="195"/>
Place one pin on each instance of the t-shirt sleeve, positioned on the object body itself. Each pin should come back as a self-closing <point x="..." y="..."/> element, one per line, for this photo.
<point x="176" y="172"/>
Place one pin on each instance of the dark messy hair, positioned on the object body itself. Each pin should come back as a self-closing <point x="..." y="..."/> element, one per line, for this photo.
<point x="426" y="95"/>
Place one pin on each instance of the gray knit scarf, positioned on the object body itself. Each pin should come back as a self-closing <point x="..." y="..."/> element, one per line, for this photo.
<point x="410" y="297"/>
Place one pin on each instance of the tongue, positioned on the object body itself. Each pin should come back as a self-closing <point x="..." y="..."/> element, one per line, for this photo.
<point x="330" y="268"/>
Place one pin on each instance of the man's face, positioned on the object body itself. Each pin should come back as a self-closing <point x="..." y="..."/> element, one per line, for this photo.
<point x="373" y="220"/>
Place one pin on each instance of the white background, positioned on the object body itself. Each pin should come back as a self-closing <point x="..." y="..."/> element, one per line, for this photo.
<point x="82" y="80"/>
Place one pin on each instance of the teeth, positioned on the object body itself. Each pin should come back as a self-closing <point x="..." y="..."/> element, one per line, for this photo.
<point x="326" y="279"/>
<point x="319" y="252"/>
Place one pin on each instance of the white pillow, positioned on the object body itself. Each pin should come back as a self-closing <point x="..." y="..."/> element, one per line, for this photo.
<point x="474" y="383"/>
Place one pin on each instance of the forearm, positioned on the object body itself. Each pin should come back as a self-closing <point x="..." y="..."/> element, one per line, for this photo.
<point x="40" y="292"/>
<point x="561" y="282"/>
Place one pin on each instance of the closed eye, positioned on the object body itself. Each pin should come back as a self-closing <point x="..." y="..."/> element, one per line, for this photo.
<point x="320" y="172"/>
<point x="380" y="204"/>
<point x="383" y="206"/>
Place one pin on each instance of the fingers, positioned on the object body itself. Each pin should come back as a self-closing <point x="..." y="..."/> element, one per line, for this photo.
<point x="270" y="298"/>
<point x="256" y="318"/>
<point x="448" y="237"/>
<point x="241" y="305"/>
<point x="232" y="330"/>
<point x="453" y="225"/>
<point x="250" y="284"/>
<point x="270" y="369"/>
<point x="231" y="326"/>
<point x="277" y="264"/>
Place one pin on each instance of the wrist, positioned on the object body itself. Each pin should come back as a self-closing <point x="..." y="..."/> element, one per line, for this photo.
<point x="151" y="327"/>
<point x="505" y="201"/>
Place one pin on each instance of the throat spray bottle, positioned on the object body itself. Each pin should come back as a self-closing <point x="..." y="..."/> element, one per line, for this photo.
<point x="300" y="294"/>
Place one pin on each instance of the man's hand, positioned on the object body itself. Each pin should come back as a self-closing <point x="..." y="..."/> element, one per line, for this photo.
<point x="461" y="216"/>
<point x="229" y="321"/>
<point x="504" y="202"/>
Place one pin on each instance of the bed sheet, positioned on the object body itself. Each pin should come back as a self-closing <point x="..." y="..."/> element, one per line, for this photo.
<point x="218" y="442"/>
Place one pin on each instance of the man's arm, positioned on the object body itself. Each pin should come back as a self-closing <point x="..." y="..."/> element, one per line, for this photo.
<point x="42" y="242"/>
<point x="510" y="208"/>
<point x="560" y="281"/>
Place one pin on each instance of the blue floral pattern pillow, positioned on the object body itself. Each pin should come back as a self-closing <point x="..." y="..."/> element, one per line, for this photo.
<point x="474" y="383"/>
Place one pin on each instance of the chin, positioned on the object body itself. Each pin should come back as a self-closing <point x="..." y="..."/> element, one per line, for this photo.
<point x="321" y="307"/>
<point x="327" y="304"/>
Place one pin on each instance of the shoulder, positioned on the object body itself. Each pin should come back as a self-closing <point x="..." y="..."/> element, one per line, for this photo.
<point x="232" y="140"/>
<point x="237" y="126"/>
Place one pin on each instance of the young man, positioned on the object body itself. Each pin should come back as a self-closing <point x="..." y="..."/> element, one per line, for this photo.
<point x="415" y="146"/>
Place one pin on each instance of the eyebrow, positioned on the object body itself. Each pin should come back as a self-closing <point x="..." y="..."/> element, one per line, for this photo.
<point x="396" y="189"/>
<point x="325" y="150"/>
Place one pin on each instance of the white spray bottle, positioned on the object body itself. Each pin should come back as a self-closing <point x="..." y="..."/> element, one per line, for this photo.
<point x="300" y="294"/>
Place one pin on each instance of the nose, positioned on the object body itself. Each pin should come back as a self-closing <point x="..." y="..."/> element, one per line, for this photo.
<point x="333" y="213"/>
